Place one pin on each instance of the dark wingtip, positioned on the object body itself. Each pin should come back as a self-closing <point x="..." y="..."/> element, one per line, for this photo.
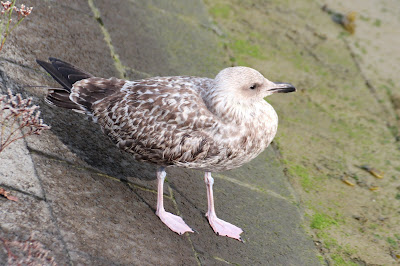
<point x="41" y="62"/>
<point x="64" y="73"/>
<point x="53" y="59"/>
<point x="57" y="76"/>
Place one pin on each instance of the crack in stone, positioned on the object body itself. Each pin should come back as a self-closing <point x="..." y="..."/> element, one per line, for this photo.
<point x="107" y="38"/>
<point x="195" y="253"/>
<point x="5" y="82"/>
<point x="223" y="260"/>
<point x="188" y="200"/>
<point x="50" y="208"/>
<point x="178" y="212"/>
<point x="23" y="192"/>
<point x="89" y="169"/>
<point x="170" y="197"/>
<point x="144" y="188"/>
<point x="370" y="87"/>
<point x="121" y="68"/>
<point x="18" y="64"/>
<point x="242" y="184"/>
<point x="132" y="188"/>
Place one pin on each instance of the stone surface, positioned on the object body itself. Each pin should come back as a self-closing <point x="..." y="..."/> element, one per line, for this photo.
<point x="31" y="217"/>
<point x="163" y="37"/>
<point x="17" y="169"/>
<point x="106" y="220"/>
<point x="270" y="223"/>
<point x="89" y="203"/>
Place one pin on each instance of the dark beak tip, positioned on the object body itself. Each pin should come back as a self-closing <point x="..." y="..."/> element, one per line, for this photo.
<point x="284" y="88"/>
<point x="291" y="88"/>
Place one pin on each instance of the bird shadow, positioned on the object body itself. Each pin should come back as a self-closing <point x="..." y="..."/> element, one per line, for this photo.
<point x="86" y="140"/>
<point x="83" y="138"/>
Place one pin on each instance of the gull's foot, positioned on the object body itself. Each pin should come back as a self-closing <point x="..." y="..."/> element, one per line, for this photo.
<point x="223" y="228"/>
<point x="174" y="222"/>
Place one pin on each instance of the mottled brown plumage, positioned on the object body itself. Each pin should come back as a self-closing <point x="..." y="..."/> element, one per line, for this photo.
<point x="201" y="123"/>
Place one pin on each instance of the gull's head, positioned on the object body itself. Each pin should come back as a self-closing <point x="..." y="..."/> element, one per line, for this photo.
<point x="248" y="84"/>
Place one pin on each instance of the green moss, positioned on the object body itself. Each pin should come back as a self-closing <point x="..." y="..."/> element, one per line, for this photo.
<point x="377" y="23"/>
<point x="300" y="63"/>
<point x="328" y="241"/>
<point x="322" y="221"/>
<point x="363" y="50"/>
<point x="343" y="34"/>
<point x="305" y="180"/>
<point x="373" y="226"/>
<point x="349" y="250"/>
<point x="256" y="35"/>
<point x="392" y="242"/>
<point x="220" y="11"/>
<point x="245" y="47"/>
<point x="338" y="260"/>
<point x="364" y="18"/>
<point x="321" y="259"/>
<point x="335" y="249"/>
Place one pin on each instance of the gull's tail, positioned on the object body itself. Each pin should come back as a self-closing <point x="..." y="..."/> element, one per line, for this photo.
<point x="66" y="75"/>
<point x="80" y="90"/>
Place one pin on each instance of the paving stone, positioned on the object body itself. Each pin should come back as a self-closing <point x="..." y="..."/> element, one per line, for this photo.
<point x="159" y="42"/>
<point x="19" y="220"/>
<point x="106" y="220"/>
<point x="17" y="169"/>
<point x="86" y="216"/>
<point x="57" y="31"/>
<point x="263" y="178"/>
<point x="273" y="233"/>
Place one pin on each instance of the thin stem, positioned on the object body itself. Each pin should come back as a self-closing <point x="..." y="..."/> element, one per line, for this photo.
<point x="4" y="39"/>
<point x="8" y="249"/>
<point x="6" y="144"/>
<point x="7" y="141"/>
<point x="12" y="130"/>
<point x="8" y="24"/>
<point x="19" y="21"/>
<point x="18" y="119"/>
<point x="3" y="126"/>
<point x="9" y="15"/>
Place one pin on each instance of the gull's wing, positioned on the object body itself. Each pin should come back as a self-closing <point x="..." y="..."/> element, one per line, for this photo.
<point x="160" y="120"/>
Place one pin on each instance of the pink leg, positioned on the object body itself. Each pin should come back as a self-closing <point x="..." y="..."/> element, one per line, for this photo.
<point x="219" y="226"/>
<point x="175" y="223"/>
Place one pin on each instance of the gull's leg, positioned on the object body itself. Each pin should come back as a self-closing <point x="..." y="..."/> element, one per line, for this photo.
<point x="175" y="223"/>
<point x="219" y="226"/>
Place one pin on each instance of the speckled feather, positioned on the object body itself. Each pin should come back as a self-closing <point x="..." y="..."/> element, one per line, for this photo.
<point x="180" y="121"/>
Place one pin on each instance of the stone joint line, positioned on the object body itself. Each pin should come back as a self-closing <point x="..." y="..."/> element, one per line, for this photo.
<point x="121" y="68"/>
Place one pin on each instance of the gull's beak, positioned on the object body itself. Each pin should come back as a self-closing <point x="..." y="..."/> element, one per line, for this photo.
<point x="282" y="87"/>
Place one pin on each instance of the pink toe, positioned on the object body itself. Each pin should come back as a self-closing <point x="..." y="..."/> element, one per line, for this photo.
<point x="175" y="223"/>
<point x="223" y="228"/>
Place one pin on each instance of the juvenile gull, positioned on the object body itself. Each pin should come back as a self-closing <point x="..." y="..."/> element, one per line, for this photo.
<point x="206" y="124"/>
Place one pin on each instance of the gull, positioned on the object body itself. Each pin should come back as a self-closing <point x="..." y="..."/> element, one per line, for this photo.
<point x="192" y="122"/>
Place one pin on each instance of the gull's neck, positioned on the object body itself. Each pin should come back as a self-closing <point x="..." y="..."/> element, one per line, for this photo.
<point x="232" y="108"/>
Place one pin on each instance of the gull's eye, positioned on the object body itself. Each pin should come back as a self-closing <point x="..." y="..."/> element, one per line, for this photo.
<point x="252" y="87"/>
